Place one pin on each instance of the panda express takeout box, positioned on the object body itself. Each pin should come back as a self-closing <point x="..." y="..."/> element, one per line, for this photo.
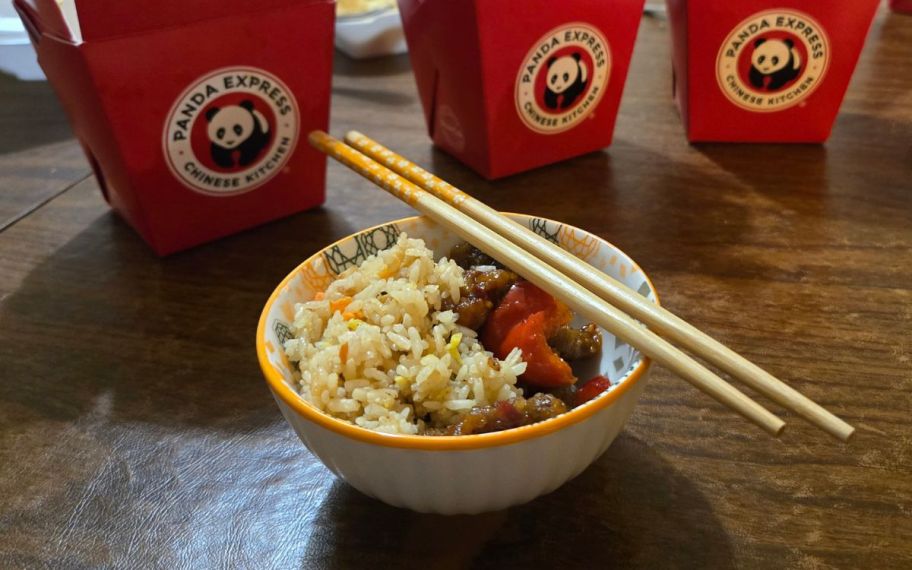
<point x="904" y="6"/>
<point x="509" y="86"/>
<point x="193" y="115"/>
<point x="761" y="71"/>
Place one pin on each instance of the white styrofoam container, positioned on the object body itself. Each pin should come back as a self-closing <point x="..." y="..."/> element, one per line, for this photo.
<point x="17" y="57"/>
<point x="373" y="34"/>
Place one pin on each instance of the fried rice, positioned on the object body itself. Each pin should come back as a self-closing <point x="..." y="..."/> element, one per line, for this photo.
<point x="377" y="350"/>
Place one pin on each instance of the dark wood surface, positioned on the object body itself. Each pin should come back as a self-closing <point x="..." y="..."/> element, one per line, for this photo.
<point x="136" y="430"/>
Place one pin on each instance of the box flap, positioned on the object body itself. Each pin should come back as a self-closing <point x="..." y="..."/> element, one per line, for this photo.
<point x="101" y="19"/>
<point x="45" y="17"/>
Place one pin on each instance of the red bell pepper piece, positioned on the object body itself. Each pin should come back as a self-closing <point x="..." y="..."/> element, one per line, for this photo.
<point x="591" y="389"/>
<point x="522" y="300"/>
<point x="544" y="368"/>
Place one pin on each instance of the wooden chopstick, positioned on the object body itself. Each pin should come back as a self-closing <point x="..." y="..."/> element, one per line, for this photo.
<point x="661" y="320"/>
<point x="550" y="280"/>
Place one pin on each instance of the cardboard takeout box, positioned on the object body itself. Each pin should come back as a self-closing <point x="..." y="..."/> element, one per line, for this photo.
<point x="761" y="71"/>
<point x="904" y="6"/>
<point x="193" y="115"/>
<point x="508" y="86"/>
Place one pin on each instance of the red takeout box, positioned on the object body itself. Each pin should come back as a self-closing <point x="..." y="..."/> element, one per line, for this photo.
<point x="194" y="115"/>
<point x="904" y="6"/>
<point x="508" y="86"/>
<point x="761" y="71"/>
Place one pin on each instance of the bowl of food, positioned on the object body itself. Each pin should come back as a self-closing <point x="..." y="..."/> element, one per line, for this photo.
<point x="425" y="374"/>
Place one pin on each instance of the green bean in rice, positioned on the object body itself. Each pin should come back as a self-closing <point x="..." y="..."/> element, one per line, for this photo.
<point x="378" y="350"/>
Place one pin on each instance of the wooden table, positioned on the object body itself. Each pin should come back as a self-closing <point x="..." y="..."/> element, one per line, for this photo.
<point x="136" y="429"/>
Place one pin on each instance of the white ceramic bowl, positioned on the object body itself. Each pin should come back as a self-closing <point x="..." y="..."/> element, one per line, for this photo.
<point x="461" y="474"/>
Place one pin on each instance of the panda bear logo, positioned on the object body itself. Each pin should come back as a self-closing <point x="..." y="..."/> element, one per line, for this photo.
<point x="773" y="60"/>
<point x="567" y="77"/>
<point x="562" y="79"/>
<point x="230" y="131"/>
<point x="238" y="134"/>
<point x="774" y="63"/>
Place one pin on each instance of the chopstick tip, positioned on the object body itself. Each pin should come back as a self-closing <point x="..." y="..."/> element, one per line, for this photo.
<point x="846" y="434"/>
<point x="777" y="430"/>
<point x="316" y="137"/>
<point x="353" y="135"/>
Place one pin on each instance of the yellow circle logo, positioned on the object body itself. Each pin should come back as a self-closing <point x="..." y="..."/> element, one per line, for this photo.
<point x="772" y="60"/>
<point x="231" y="131"/>
<point x="563" y="78"/>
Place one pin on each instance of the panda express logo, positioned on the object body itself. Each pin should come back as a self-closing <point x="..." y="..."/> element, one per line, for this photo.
<point x="563" y="78"/>
<point x="231" y="131"/>
<point x="772" y="60"/>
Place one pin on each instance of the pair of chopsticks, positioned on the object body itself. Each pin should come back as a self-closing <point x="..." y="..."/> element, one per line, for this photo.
<point x="589" y="292"/>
